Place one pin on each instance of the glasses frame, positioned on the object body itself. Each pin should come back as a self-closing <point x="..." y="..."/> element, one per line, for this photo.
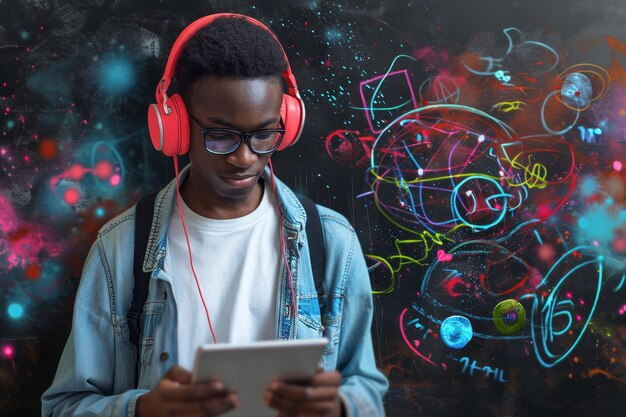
<point x="243" y="137"/>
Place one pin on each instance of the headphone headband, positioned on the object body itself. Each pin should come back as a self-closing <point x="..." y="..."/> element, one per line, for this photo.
<point x="189" y="31"/>
<point x="168" y="120"/>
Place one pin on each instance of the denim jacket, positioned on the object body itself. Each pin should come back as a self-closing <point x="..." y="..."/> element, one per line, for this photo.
<point x="96" y="373"/>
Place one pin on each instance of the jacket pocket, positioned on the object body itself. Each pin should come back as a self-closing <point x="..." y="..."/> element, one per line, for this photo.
<point x="150" y="319"/>
<point x="309" y="317"/>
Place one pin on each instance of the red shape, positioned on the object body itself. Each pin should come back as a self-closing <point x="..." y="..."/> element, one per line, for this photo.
<point x="33" y="271"/>
<point x="103" y="170"/>
<point x="76" y="172"/>
<point x="71" y="196"/>
<point x="47" y="149"/>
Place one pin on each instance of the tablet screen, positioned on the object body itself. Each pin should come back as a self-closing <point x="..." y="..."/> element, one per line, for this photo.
<point x="248" y="368"/>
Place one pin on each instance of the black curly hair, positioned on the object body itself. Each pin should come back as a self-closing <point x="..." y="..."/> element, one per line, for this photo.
<point x="229" y="46"/>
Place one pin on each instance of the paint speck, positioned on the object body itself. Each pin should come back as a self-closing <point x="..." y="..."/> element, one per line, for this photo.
<point x="47" y="149"/>
<point x="33" y="271"/>
<point x="103" y="170"/>
<point x="456" y="331"/>
<point x="617" y="165"/>
<point x="71" y="196"/>
<point x="115" y="180"/>
<point x="588" y="186"/>
<point x="8" y="351"/>
<point x="15" y="311"/>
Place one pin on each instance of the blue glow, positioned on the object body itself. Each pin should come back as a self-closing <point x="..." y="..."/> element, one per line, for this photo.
<point x="117" y="75"/>
<point x="10" y="124"/>
<point x="333" y="35"/>
<point x="99" y="212"/>
<point x="599" y="224"/>
<point x="15" y="311"/>
<point x="456" y="331"/>
<point x="588" y="187"/>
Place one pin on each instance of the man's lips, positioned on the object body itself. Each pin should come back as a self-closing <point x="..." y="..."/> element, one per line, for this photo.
<point x="239" y="181"/>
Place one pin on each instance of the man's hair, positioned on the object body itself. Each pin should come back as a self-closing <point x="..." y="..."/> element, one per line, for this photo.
<point x="229" y="46"/>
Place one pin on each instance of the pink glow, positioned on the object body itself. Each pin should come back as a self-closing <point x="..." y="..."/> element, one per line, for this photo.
<point x="617" y="165"/>
<point x="8" y="351"/>
<point x="24" y="241"/>
<point x="115" y="180"/>
<point x="71" y="196"/>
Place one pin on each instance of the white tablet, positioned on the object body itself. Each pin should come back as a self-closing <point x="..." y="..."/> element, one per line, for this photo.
<point x="248" y="368"/>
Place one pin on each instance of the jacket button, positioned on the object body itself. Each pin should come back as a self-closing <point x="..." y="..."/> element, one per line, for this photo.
<point x="164" y="356"/>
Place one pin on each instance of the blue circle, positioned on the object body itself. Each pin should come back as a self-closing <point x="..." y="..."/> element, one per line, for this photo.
<point x="456" y="332"/>
<point x="15" y="311"/>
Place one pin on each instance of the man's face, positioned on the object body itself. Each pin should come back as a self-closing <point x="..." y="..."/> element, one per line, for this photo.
<point x="244" y="104"/>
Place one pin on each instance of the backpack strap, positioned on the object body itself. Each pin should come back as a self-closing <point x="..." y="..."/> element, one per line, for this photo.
<point x="143" y="222"/>
<point x="315" y="238"/>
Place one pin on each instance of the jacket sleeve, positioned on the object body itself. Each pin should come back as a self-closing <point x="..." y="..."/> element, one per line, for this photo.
<point x="363" y="385"/>
<point x="88" y="381"/>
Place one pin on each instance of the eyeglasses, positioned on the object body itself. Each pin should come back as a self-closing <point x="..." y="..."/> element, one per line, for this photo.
<point x="224" y="141"/>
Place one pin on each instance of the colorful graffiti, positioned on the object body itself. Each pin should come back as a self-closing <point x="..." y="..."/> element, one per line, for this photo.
<point x="479" y="152"/>
<point x="515" y="233"/>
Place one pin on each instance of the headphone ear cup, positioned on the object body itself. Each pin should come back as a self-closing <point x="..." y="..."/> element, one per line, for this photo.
<point x="292" y="115"/>
<point x="169" y="133"/>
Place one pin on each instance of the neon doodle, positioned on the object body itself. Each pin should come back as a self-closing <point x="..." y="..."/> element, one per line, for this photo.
<point x="493" y="66"/>
<point x="508" y="106"/>
<point x="479" y="192"/>
<point x="488" y="371"/>
<point x="553" y="310"/>
<point x="377" y="97"/>
<point x="394" y="263"/>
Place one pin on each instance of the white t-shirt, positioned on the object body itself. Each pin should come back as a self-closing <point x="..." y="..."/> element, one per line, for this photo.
<point x="237" y="264"/>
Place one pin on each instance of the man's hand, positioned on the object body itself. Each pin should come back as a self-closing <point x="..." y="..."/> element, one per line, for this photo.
<point x="318" y="397"/>
<point x="175" y="395"/>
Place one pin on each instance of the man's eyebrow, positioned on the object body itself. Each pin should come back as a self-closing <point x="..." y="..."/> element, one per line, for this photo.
<point x="223" y="122"/>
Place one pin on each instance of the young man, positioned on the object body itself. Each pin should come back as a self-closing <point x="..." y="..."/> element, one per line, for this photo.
<point x="250" y="261"/>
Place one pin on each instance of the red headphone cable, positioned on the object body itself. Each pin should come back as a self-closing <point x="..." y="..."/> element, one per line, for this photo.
<point x="182" y="218"/>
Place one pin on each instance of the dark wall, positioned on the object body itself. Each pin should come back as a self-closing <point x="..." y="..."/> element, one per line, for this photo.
<point x="479" y="149"/>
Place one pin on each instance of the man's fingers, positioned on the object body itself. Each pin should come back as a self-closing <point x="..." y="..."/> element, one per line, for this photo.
<point x="217" y="406"/>
<point x="303" y="393"/>
<point x="291" y="407"/>
<point x="326" y="379"/>
<point x="173" y="391"/>
<point x="178" y="374"/>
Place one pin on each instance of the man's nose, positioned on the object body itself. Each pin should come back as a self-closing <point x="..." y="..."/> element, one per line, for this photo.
<point x="243" y="157"/>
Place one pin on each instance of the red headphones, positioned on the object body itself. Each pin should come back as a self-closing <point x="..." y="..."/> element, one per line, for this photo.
<point x="168" y="121"/>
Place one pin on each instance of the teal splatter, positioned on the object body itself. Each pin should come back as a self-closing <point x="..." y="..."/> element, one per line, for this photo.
<point x="598" y="224"/>
<point x="117" y="75"/>
<point x="589" y="186"/>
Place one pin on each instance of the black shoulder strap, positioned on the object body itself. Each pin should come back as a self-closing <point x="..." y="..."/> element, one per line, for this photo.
<point x="315" y="237"/>
<point x="143" y="221"/>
